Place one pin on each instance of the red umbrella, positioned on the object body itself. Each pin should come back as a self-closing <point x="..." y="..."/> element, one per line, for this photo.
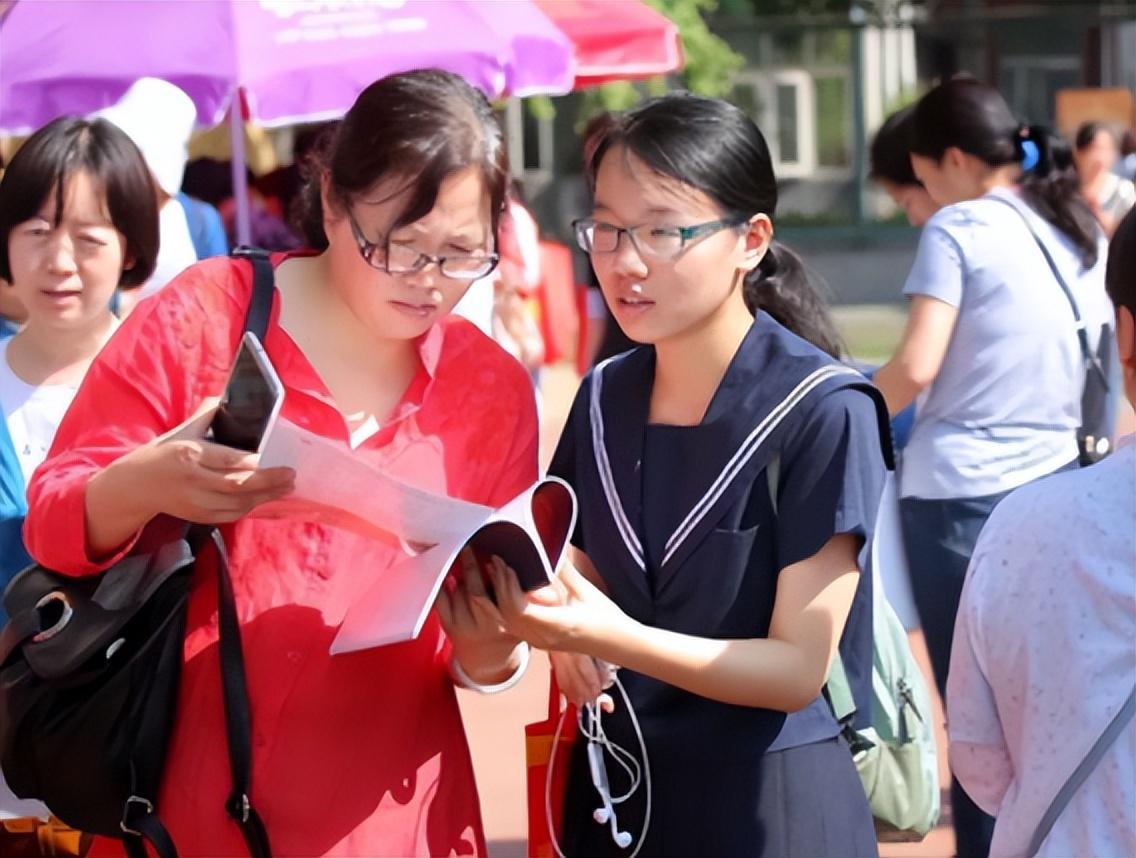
<point x="616" y="39"/>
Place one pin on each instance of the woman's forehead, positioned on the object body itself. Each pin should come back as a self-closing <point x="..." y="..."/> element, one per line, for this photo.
<point x="84" y="200"/>
<point x="1104" y="139"/>
<point x="461" y="204"/>
<point x="389" y="190"/>
<point x="621" y="170"/>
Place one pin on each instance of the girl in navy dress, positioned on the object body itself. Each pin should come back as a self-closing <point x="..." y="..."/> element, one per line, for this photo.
<point x="728" y="474"/>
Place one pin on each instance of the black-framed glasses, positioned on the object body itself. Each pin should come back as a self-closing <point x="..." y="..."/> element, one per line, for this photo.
<point x="650" y="242"/>
<point x="400" y="259"/>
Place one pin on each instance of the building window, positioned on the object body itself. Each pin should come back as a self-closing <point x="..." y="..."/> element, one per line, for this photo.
<point x="782" y="103"/>
<point x="802" y="100"/>
<point x="788" y="148"/>
<point x="1031" y="83"/>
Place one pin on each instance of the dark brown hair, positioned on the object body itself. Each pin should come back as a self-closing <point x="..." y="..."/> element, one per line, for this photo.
<point x="68" y="145"/>
<point x="420" y="126"/>
<point x="890" y="153"/>
<point x="1088" y="132"/>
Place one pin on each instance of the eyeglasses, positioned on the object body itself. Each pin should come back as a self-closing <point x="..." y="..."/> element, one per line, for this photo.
<point x="650" y="242"/>
<point x="400" y="259"/>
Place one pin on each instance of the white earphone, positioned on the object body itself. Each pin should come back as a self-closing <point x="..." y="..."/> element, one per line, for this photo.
<point x="604" y="815"/>
<point x="591" y="729"/>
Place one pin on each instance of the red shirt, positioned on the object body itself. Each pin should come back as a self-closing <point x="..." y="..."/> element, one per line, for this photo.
<point x="361" y="754"/>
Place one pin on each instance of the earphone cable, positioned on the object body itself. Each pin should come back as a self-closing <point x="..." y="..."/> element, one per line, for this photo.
<point x="594" y="732"/>
<point x="611" y="748"/>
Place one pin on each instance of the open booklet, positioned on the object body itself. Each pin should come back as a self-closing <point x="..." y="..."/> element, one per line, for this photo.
<point x="336" y="486"/>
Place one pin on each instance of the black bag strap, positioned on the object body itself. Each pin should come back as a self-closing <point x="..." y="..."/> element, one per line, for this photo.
<point x="1082" y="336"/>
<point x="263" y="288"/>
<point x="234" y="685"/>
<point x="238" y="723"/>
<point x="140" y="824"/>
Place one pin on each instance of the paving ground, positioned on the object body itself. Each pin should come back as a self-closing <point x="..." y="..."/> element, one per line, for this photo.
<point x="496" y="724"/>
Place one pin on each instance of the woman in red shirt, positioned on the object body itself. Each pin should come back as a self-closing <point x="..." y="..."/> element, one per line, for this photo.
<point x="360" y="754"/>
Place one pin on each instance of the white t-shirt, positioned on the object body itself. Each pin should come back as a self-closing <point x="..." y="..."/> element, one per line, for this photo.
<point x="1045" y="655"/>
<point x="1119" y="196"/>
<point x="33" y="413"/>
<point x="1006" y="403"/>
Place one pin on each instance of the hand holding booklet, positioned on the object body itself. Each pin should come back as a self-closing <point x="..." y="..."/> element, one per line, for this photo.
<point x="336" y="486"/>
<point x="529" y="533"/>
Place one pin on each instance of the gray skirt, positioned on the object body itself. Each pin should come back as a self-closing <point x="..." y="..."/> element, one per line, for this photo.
<point x="801" y="802"/>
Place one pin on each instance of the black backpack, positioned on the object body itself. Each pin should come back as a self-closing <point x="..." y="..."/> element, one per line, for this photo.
<point x="89" y="671"/>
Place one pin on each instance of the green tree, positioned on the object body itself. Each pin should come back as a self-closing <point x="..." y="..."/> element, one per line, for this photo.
<point x="710" y="62"/>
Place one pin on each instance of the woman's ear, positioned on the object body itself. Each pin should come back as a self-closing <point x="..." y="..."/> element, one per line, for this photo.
<point x="956" y="160"/>
<point x="328" y="206"/>
<point x="758" y="235"/>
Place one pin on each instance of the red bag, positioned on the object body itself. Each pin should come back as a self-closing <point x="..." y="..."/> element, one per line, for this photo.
<point x="539" y="740"/>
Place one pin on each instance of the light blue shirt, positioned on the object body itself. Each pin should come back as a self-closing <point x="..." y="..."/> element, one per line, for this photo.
<point x="1006" y="403"/>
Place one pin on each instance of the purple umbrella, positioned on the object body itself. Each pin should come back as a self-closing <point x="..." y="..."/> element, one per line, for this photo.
<point x="295" y="60"/>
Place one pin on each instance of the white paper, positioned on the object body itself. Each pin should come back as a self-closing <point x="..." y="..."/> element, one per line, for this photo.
<point x="350" y="492"/>
<point x="398" y="602"/>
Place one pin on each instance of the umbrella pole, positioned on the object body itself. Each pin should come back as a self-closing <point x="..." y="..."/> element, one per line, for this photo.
<point x="237" y="163"/>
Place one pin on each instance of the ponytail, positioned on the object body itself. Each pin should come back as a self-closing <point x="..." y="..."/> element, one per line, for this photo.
<point x="794" y="296"/>
<point x="1050" y="186"/>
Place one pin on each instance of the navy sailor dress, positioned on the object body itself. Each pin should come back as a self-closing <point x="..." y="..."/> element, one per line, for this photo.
<point x="680" y="523"/>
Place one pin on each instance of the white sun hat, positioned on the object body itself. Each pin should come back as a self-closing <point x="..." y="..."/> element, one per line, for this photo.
<point x="159" y="118"/>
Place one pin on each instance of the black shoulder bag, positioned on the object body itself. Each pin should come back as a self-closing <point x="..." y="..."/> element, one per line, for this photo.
<point x="1097" y="414"/>
<point x="89" y="671"/>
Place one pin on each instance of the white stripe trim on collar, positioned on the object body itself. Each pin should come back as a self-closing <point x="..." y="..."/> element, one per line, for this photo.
<point x="746" y="452"/>
<point x="599" y="449"/>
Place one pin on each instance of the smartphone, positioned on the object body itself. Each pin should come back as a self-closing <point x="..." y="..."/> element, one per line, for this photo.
<point x="251" y="402"/>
